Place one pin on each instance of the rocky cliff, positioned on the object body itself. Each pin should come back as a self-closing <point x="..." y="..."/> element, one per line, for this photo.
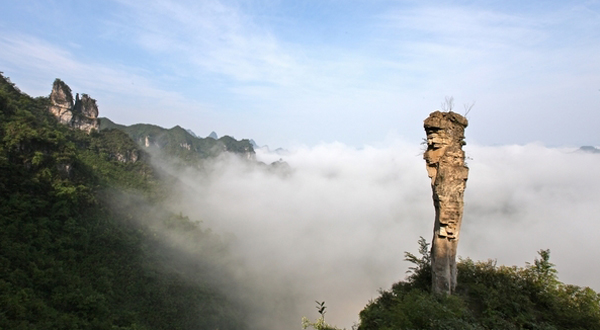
<point x="79" y="113"/>
<point x="445" y="161"/>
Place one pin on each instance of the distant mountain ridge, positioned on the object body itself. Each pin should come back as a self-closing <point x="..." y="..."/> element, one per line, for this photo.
<point x="179" y="142"/>
<point x="589" y="149"/>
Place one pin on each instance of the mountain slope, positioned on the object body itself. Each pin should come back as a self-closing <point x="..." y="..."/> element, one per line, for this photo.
<point x="84" y="242"/>
<point x="178" y="143"/>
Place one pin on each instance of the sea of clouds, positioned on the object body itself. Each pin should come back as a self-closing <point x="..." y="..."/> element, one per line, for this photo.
<point x="334" y="226"/>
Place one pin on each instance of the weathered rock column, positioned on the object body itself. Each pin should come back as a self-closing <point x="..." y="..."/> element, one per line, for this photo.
<point x="83" y="114"/>
<point x="446" y="167"/>
<point x="61" y="102"/>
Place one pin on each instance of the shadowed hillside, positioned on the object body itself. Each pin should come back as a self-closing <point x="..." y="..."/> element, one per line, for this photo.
<point x="84" y="242"/>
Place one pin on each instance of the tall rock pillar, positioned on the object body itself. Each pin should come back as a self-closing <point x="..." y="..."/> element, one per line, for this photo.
<point x="446" y="167"/>
<point x="61" y="102"/>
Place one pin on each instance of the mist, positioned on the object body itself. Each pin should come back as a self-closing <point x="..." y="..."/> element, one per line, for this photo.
<point x="335" y="225"/>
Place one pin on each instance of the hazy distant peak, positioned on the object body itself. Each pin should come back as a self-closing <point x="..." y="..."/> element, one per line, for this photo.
<point x="191" y="133"/>
<point x="213" y="135"/>
<point x="282" y="152"/>
<point x="589" y="149"/>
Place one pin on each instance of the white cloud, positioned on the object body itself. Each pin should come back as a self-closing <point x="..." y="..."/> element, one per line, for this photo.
<point x="211" y="37"/>
<point x="35" y="55"/>
<point x="335" y="229"/>
<point x="125" y="94"/>
<point x="240" y="69"/>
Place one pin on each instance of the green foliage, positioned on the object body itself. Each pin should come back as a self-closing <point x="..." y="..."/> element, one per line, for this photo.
<point x="487" y="297"/>
<point x="118" y="162"/>
<point x="177" y="144"/>
<point x="420" y="273"/>
<point x="71" y="257"/>
<point x="321" y="308"/>
<point x="319" y="324"/>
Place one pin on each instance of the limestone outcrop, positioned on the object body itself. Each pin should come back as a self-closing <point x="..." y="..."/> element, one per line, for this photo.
<point x="61" y="102"/>
<point x="79" y="113"/>
<point x="445" y="161"/>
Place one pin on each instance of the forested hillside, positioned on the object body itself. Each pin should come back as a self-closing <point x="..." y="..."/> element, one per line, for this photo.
<point x="178" y="144"/>
<point x="84" y="243"/>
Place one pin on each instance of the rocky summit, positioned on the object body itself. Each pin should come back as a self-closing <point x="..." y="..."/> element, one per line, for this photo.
<point x="81" y="113"/>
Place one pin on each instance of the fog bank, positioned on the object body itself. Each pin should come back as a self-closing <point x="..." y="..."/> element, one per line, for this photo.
<point x="335" y="227"/>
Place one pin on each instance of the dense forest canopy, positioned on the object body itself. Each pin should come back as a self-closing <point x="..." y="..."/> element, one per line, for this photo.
<point x="83" y="238"/>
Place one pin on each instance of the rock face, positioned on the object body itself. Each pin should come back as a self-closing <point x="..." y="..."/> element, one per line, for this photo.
<point x="81" y="114"/>
<point x="61" y="102"/>
<point x="446" y="167"/>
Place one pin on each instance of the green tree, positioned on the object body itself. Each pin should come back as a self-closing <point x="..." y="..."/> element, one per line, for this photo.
<point x="488" y="297"/>
<point x="80" y="245"/>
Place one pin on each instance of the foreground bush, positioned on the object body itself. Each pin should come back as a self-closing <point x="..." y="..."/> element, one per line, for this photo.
<point x="487" y="297"/>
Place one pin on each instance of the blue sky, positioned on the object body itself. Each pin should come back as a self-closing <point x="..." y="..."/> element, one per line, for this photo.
<point x="303" y="72"/>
